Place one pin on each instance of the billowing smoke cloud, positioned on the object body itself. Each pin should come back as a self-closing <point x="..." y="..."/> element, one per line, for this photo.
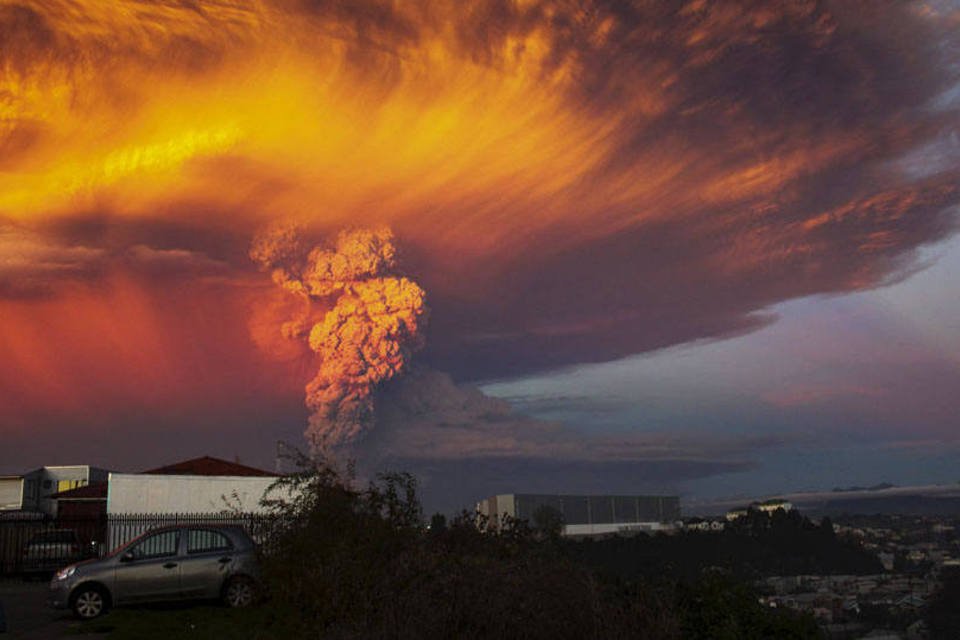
<point x="376" y="321"/>
<point x="574" y="181"/>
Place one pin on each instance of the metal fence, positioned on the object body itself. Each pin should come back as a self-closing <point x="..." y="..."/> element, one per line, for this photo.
<point x="36" y="545"/>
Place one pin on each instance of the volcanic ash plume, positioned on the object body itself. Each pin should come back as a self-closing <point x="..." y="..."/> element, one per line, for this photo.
<point x="367" y="336"/>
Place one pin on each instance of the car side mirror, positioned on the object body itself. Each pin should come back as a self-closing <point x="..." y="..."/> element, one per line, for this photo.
<point x="127" y="557"/>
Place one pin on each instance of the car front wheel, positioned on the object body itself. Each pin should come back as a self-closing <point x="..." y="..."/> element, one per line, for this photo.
<point x="240" y="592"/>
<point x="89" y="602"/>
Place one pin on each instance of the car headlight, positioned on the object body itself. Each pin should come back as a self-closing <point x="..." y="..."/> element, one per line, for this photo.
<point x="65" y="573"/>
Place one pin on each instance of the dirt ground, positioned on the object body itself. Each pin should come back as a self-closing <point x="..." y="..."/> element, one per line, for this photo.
<point x="27" y="615"/>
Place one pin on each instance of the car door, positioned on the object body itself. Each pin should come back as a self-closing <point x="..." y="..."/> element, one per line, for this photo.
<point x="150" y="569"/>
<point x="206" y="563"/>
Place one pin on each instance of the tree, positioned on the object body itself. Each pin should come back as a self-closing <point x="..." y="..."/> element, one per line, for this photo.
<point x="345" y="562"/>
<point x="720" y="608"/>
<point x="548" y="521"/>
<point x="438" y="523"/>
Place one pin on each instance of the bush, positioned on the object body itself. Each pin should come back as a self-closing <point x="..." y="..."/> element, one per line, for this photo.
<point x="358" y="563"/>
<point x="943" y="614"/>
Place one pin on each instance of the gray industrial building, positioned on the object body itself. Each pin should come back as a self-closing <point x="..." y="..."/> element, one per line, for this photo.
<point x="589" y="515"/>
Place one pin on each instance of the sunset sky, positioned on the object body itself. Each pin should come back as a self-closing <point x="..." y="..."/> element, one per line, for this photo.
<point x="704" y="248"/>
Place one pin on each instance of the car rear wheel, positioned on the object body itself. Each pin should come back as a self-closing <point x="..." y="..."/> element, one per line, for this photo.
<point x="89" y="602"/>
<point x="240" y="592"/>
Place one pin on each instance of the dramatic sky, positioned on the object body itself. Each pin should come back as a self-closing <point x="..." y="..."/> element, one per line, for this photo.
<point x="705" y="248"/>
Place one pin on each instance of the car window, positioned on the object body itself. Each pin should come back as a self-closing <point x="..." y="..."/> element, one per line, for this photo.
<point x="204" y="540"/>
<point x="159" y="545"/>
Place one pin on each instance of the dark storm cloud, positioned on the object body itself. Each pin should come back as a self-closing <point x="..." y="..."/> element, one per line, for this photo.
<point x="764" y="83"/>
<point x="463" y="445"/>
<point x="455" y="435"/>
<point x="673" y="282"/>
<point x="37" y="263"/>
<point x="31" y="263"/>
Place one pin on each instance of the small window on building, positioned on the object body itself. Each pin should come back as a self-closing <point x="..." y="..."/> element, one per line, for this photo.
<point x="66" y="485"/>
<point x="47" y="484"/>
<point x="205" y="541"/>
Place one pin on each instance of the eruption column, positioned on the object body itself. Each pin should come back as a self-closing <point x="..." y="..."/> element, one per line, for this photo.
<point x="367" y="336"/>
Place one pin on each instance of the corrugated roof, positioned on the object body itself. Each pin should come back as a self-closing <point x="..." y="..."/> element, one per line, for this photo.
<point x="208" y="466"/>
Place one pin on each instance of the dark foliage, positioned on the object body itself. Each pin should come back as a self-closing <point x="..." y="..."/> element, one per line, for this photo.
<point x="943" y="614"/>
<point x="352" y="563"/>
<point x="760" y="544"/>
<point x="719" y="608"/>
<point x="548" y="522"/>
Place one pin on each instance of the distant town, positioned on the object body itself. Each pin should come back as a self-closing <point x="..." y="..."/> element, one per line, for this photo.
<point x="854" y="573"/>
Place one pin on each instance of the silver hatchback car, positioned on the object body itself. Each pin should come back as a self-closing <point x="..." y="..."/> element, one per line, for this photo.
<point x="188" y="562"/>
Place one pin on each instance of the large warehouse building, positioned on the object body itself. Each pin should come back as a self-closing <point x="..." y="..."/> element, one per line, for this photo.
<point x="589" y="515"/>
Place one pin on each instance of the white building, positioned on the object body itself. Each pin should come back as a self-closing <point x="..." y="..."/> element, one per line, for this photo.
<point x="139" y="493"/>
<point x="769" y="506"/>
<point x="32" y="491"/>
<point x="589" y="515"/>
<point x="701" y="524"/>
<point x="194" y="488"/>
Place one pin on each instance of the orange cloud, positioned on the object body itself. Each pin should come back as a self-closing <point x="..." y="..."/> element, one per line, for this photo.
<point x="121" y="349"/>
<point x="570" y="182"/>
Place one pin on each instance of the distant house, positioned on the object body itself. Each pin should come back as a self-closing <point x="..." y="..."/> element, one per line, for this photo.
<point x="703" y="524"/>
<point x="202" y="485"/>
<point x="11" y="493"/>
<point x="736" y="514"/>
<point x="91" y="500"/>
<point x="767" y="506"/>
<point x="776" y="504"/>
<point x="34" y="491"/>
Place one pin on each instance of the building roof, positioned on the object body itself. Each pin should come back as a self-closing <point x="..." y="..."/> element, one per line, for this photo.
<point x="204" y="466"/>
<point x="208" y="466"/>
<point x="95" y="491"/>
